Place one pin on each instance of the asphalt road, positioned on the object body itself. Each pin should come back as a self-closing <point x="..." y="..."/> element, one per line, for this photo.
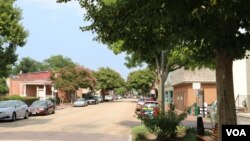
<point x="109" y="121"/>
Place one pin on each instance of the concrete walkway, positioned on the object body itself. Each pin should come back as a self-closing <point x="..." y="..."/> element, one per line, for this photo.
<point x="191" y="121"/>
<point x="243" y="118"/>
<point x="63" y="106"/>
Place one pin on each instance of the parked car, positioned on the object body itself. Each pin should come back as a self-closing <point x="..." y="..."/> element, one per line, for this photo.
<point x="140" y="104"/>
<point x="100" y="99"/>
<point x="81" y="102"/>
<point x="119" y="97"/>
<point x="92" y="100"/>
<point x="42" y="107"/>
<point x="150" y="109"/>
<point x="13" y="109"/>
<point x="108" y="98"/>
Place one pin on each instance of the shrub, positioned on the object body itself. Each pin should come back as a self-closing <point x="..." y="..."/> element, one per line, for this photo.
<point x="30" y="100"/>
<point x="55" y="100"/>
<point x="13" y="97"/>
<point x="27" y="100"/>
<point x="139" y="133"/>
<point x="165" y="124"/>
<point x="190" y="134"/>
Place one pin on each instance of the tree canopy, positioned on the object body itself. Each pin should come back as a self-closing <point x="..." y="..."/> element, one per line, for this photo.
<point x="12" y="35"/>
<point x="3" y="87"/>
<point x="141" y="80"/>
<point x="58" y="62"/>
<point x="108" y="79"/>
<point x="70" y="79"/>
<point x="121" y="90"/>
<point x="27" y="65"/>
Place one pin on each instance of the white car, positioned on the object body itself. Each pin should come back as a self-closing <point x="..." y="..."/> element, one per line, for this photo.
<point x="80" y="102"/>
<point x="13" y="109"/>
<point x="108" y="98"/>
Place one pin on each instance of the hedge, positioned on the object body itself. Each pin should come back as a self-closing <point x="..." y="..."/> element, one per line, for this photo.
<point x="27" y="100"/>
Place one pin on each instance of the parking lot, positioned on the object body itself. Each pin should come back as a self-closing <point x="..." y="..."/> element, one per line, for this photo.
<point x="102" y="122"/>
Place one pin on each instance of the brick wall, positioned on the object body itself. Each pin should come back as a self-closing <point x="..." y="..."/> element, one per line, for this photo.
<point x="184" y="95"/>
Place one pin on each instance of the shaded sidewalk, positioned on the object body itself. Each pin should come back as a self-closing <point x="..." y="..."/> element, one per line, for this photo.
<point x="63" y="106"/>
<point x="191" y="121"/>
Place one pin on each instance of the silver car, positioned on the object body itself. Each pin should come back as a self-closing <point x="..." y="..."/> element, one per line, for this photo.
<point x="13" y="109"/>
<point x="80" y="102"/>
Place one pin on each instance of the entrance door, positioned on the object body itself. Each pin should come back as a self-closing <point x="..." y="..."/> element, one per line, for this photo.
<point x="41" y="94"/>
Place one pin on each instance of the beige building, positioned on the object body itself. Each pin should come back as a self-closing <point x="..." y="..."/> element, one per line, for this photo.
<point x="185" y="87"/>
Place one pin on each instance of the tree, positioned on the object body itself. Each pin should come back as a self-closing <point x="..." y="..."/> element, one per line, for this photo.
<point x="58" y="62"/>
<point x="138" y="28"/>
<point x="220" y="32"/>
<point x="3" y="87"/>
<point x="211" y="28"/>
<point x="141" y="81"/>
<point x="27" y="65"/>
<point x="12" y="35"/>
<point x="108" y="79"/>
<point x="70" y="79"/>
<point x="121" y="90"/>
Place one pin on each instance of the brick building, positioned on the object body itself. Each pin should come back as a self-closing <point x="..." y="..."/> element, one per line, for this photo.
<point x="182" y="93"/>
<point x="37" y="84"/>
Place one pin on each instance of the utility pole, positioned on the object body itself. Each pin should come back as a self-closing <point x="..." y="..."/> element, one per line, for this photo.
<point x="162" y="82"/>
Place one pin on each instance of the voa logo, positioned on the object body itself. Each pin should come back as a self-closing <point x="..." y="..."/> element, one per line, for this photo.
<point x="236" y="132"/>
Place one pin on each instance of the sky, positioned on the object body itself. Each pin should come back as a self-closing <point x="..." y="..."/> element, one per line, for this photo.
<point x="54" y="29"/>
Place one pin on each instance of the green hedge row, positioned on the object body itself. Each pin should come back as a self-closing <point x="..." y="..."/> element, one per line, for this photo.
<point x="27" y="100"/>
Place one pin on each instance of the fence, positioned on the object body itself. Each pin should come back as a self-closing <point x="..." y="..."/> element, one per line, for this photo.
<point x="241" y="101"/>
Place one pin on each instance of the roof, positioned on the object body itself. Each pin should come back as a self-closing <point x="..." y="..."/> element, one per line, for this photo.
<point x="35" y="76"/>
<point x="203" y="75"/>
<point x="35" y="82"/>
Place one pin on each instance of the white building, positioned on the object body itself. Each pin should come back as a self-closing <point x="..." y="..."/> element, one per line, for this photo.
<point x="241" y="78"/>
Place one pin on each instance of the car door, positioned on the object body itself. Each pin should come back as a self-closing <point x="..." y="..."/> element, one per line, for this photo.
<point x="50" y="106"/>
<point x="19" y="109"/>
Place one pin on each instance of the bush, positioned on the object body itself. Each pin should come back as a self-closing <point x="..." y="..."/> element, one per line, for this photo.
<point x="30" y="100"/>
<point x="165" y="124"/>
<point x="139" y="133"/>
<point x="55" y="100"/>
<point x="13" y="97"/>
<point x="190" y="134"/>
<point x="27" y="100"/>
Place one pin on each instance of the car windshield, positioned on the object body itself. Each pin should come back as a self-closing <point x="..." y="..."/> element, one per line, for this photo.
<point x="6" y="104"/>
<point x="39" y="103"/>
<point x="81" y="99"/>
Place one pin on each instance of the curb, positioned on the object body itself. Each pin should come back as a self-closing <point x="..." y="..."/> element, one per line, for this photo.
<point x="130" y="137"/>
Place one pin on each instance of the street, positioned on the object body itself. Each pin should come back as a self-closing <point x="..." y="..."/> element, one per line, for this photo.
<point x="108" y="121"/>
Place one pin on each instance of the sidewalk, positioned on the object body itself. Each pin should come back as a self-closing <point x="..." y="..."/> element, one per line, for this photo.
<point x="191" y="121"/>
<point x="63" y="106"/>
<point x="243" y="118"/>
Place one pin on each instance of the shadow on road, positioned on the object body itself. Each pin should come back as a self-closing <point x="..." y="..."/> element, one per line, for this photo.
<point x="130" y="123"/>
<point x="60" y="136"/>
<point x="23" y="122"/>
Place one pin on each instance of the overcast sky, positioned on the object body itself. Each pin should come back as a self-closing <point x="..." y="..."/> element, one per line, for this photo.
<point x="54" y="30"/>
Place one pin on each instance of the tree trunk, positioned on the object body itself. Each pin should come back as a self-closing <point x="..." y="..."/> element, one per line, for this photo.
<point x="160" y="91"/>
<point x="225" y="92"/>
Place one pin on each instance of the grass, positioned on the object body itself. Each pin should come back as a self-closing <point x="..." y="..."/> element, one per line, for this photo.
<point x="140" y="133"/>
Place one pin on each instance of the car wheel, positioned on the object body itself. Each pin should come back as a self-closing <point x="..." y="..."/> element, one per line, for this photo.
<point x="53" y="112"/>
<point x="13" y="117"/>
<point x="26" y="116"/>
<point x="47" y="112"/>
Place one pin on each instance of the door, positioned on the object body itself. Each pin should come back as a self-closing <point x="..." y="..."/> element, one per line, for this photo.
<point x="41" y="94"/>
